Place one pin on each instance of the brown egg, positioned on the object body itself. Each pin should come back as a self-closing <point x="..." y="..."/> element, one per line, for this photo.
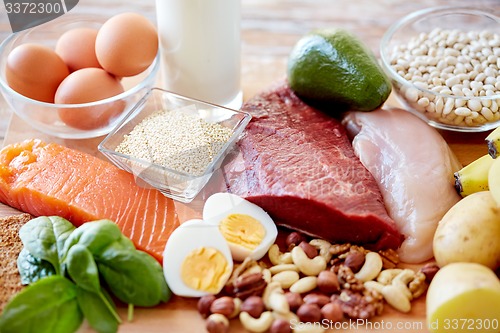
<point x="126" y="44"/>
<point x="35" y="71"/>
<point x="84" y="86"/>
<point x="76" y="47"/>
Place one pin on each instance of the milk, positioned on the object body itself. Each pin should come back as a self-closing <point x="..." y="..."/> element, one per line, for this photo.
<point x="200" y="49"/>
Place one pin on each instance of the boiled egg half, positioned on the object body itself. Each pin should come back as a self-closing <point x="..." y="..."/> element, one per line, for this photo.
<point x="247" y="228"/>
<point x="197" y="260"/>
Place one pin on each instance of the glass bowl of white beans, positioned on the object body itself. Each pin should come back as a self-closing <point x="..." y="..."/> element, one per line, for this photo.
<point x="444" y="64"/>
<point x="174" y="143"/>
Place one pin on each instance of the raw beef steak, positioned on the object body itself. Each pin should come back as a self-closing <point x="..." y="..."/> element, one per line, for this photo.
<point x="299" y="165"/>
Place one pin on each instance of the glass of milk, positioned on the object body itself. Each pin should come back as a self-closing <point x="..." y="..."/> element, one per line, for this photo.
<point x="200" y="49"/>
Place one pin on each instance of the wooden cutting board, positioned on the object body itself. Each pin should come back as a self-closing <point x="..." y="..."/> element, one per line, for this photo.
<point x="180" y="315"/>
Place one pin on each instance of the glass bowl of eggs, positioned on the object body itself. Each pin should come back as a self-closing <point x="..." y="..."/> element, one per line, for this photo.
<point x="444" y="66"/>
<point x="77" y="76"/>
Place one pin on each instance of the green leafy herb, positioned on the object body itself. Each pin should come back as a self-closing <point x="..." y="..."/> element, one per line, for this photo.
<point x="44" y="238"/>
<point x="46" y="306"/>
<point x="33" y="269"/>
<point x="134" y="277"/>
<point x="99" y="310"/>
<point x="64" y="266"/>
<point x="98" y="235"/>
<point x="82" y="268"/>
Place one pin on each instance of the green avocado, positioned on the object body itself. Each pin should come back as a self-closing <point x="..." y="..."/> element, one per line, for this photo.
<point x="332" y="68"/>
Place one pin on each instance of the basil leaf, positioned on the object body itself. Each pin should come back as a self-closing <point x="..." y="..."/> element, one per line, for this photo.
<point x="31" y="268"/>
<point x="99" y="310"/>
<point x="97" y="235"/>
<point x="44" y="238"/>
<point x="134" y="277"/>
<point x="82" y="269"/>
<point x="46" y="306"/>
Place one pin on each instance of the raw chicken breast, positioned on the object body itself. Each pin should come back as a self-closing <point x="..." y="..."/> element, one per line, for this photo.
<point x="414" y="168"/>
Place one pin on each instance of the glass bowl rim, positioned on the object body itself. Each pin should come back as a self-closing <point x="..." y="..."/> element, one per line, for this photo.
<point x="423" y="13"/>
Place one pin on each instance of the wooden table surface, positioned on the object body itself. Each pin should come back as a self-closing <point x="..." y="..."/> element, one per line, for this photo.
<point x="269" y="30"/>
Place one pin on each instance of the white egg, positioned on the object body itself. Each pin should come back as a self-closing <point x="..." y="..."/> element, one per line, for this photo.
<point x="197" y="260"/>
<point x="247" y="228"/>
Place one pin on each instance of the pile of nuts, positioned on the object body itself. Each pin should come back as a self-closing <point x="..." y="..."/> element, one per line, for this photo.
<point x="312" y="282"/>
<point x="460" y="69"/>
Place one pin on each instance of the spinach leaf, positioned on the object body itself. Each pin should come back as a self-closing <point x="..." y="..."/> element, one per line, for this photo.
<point x="82" y="269"/>
<point x="31" y="268"/>
<point x="44" y="238"/>
<point x="99" y="310"/>
<point x="46" y="306"/>
<point x="97" y="235"/>
<point x="134" y="277"/>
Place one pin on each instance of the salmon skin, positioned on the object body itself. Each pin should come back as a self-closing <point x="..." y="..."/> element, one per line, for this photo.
<point x="45" y="179"/>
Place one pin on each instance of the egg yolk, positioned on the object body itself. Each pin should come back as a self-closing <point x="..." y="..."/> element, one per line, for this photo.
<point x="242" y="230"/>
<point x="205" y="269"/>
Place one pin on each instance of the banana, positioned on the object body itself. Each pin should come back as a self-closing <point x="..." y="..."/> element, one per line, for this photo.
<point x="494" y="180"/>
<point x="474" y="177"/>
<point x="493" y="142"/>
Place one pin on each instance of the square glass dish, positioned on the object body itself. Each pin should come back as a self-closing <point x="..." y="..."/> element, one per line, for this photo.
<point x="174" y="143"/>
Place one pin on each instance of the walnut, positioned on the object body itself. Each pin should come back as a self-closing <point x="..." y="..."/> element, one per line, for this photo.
<point x="355" y="305"/>
<point x="347" y="279"/>
<point x="241" y="268"/>
<point x="353" y="248"/>
<point x="418" y="285"/>
<point x="339" y="249"/>
<point x="247" y="285"/>
<point x="335" y="264"/>
<point x="390" y="258"/>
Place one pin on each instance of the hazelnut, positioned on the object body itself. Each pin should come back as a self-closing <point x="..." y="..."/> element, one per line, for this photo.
<point x="294" y="300"/>
<point x="237" y="308"/>
<point x="429" y="270"/>
<point x="217" y="323"/>
<point x="309" y="313"/>
<point x="328" y="282"/>
<point x="354" y="260"/>
<point x="254" y="305"/>
<point x="316" y="298"/>
<point x="332" y="312"/>
<point x="204" y="304"/>
<point x="280" y="326"/>
<point x="309" y="250"/>
<point x="294" y="239"/>
<point x="224" y="306"/>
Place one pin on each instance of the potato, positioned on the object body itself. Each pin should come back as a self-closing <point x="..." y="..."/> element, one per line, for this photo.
<point x="469" y="232"/>
<point x="464" y="297"/>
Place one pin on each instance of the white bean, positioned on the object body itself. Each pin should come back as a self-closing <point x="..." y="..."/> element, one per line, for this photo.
<point x="480" y="77"/>
<point x="423" y="102"/>
<point x="452" y="62"/>
<point x="474" y="105"/>
<point x="452" y="81"/>
<point x="460" y="103"/>
<point x="487" y="113"/>
<point x="494" y="106"/>
<point x="463" y="111"/>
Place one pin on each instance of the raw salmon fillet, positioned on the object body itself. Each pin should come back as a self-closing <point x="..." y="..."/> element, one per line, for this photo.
<point x="46" y="179"/>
